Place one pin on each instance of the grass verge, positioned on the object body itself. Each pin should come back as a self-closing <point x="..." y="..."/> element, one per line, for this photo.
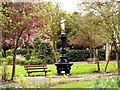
<point x="76" y="69"/>
<point x="81" y="84"/>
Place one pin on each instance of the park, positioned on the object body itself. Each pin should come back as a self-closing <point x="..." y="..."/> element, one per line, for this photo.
<point x="43" y="45"/>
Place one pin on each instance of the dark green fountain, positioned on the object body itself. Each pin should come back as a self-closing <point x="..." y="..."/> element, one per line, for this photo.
<point x="63" y="66"/>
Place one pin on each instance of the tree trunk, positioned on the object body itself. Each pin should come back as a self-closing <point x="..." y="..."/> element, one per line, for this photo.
<point x="56" y="58"/>
<point x="54" y="51"/>
<point x="108" y="52"/>
<point x="96" y="59"/>
<point x="91" y="52"/>
<point x="4" y="52"/>
<point x="108" y="59"/>
<point x="117" y="56"/>
<point x="14" y="60"/>
<point x="16" y="41"/>
<point x="118" y="63"/>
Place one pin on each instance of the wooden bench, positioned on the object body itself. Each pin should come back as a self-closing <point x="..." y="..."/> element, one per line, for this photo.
<point x="91" y="60"/>
<point x="36" y="68"/>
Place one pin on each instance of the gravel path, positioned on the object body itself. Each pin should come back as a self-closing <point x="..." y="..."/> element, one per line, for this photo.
<point x="52" y="80"/>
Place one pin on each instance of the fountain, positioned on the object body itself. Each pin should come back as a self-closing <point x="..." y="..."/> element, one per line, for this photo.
<point x="63" y="66"/>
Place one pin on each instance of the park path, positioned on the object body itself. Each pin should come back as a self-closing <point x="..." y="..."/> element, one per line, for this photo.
<point x="53" y="80"/>
<point x="62" y="79"/>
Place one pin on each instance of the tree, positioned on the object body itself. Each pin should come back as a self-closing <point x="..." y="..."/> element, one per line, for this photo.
<point x="108" y="13"/>
<point x="52" y="28"/>
<point x="4" y="44"/>
<point x="18" y="19"/>
<point x="88" y="33"/>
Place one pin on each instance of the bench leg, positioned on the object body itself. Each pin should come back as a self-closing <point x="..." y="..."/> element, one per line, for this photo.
<point x="28" y="74"/>
<point x="45" y="73"/>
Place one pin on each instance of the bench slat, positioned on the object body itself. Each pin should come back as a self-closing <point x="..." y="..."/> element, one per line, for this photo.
<point x="35" y="65"/>
<point x="39" y="71"/>
<point x="36" y="68"/>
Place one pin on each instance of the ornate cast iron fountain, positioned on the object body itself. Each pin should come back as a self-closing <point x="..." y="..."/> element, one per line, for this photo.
<point x="63" y="66"/>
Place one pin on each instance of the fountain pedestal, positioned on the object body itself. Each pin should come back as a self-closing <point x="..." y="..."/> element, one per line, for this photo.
<point x="63" y="66"/>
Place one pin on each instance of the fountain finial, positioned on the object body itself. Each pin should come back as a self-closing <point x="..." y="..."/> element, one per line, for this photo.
<point x="62" y="23"/>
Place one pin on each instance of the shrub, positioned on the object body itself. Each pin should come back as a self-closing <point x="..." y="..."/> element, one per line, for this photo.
<point x="9" y="53"/>
<point x="113" y="82"/>
<point x="42" y="50"/>
<point x="27" y="56"/>
<point x="9" y="60"/>
<point x="35" y="61"/>
<point x="22" y="51"/>
<point x="4" y="72"/>
<point x="0" y="54"/>
<point x="4" y="60"/>
<point x="10" y="87"/>
<point x="24" y="83"/>
<point x="0" y="58"/>
<point x="49" y="60"/>
<point x="22" y="62"/>
<point x="31" y="62"/>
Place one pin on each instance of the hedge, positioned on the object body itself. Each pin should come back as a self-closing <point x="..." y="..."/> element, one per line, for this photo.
<point x="78" y="55"/>
<point x="82" y="55"/>
<point x="101" y="54"/>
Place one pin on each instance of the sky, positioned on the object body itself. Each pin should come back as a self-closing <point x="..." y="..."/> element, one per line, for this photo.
<point x="71" y="5"/>
<point x="68" y="5"/>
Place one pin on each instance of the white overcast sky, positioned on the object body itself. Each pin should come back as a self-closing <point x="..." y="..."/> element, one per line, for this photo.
<point x="68" y="5"/>
<point x="71" y="5"/>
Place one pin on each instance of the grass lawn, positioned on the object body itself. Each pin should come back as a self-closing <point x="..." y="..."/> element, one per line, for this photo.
<point x="76" y="69"/>
<point x="89" y="68"/>
<point x="82" y="84"/>
<point x="109" y="82"/>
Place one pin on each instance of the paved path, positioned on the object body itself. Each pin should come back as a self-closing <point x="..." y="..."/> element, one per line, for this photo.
<point x="49" y="80"/>
<point x="57" y="79"/>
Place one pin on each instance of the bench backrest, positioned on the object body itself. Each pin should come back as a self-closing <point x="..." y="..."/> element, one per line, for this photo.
<point x="91" y="60"/>
<point x="31" y="67"/>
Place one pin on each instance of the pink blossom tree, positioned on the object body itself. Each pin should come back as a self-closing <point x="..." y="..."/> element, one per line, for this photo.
<point x="20" y="22"/>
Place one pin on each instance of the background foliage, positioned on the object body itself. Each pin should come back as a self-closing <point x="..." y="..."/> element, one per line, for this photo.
<point x="82" y="55"/>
